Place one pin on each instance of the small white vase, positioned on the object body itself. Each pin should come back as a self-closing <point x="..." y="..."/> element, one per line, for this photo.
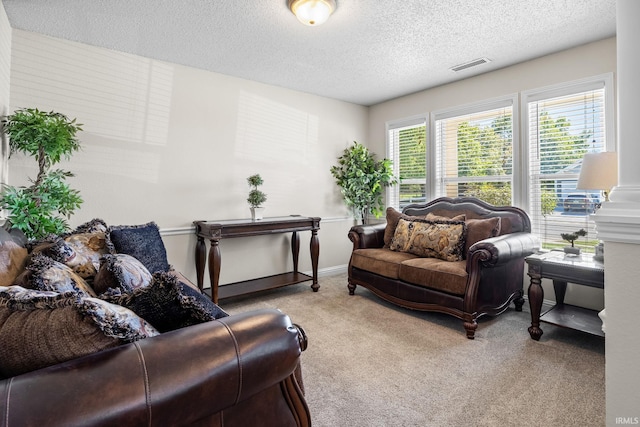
<point x="256" y="213"/>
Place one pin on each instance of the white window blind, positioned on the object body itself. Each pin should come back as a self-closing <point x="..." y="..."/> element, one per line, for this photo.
<point x="474" y="153"/>
<point x="407" y="149"/>
<point x="561" y="129"/>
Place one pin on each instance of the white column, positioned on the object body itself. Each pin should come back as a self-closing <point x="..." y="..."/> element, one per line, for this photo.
<point x="618" y="225"/>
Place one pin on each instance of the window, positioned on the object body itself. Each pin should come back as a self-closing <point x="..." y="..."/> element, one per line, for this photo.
<point x="407" y="149"/>
<point x="477" y="150"/>
<point x="562" y="124"/>
<point x="474" y="151"/>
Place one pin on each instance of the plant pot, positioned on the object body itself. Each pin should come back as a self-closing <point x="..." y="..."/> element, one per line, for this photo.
<point x="571" y="250"/>
<point x="256" y="213"/>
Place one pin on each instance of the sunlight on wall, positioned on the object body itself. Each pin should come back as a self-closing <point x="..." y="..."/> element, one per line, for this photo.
<point x="267" y="130"/>
<point x="123" y="101"/>
<point x="270" y="132"/>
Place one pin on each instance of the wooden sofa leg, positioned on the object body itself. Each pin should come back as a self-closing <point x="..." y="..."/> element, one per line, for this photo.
<point x="519" y="302"/>
<point x="352" y="288"/>
<point x="471" y="327"/>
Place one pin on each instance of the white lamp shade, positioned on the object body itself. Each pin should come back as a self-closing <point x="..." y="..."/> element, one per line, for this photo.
<point x="312" y="12"/>
<point x="599" y="171"/>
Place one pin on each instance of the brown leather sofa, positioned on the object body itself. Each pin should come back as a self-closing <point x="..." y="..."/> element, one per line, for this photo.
<point x="241" y="370"/>
<point x="484" y="282"/>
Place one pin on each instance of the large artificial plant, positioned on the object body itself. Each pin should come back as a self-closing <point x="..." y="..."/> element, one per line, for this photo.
<point x="362" y="179"/>
<point x="44" y="206"/>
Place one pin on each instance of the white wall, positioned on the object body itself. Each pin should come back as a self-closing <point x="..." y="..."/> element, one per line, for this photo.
<point x="573" y="64"/>
<point x="5" y="67"/>
<point x="174" y="144"/>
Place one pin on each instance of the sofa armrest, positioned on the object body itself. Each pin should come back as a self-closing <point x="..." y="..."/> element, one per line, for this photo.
<point x="502" y="249"/>
<point x="367" y="236"/>
<point x="174" y="379"/>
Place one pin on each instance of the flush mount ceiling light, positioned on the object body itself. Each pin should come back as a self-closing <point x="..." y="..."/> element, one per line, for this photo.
<point x="312" y="12"/>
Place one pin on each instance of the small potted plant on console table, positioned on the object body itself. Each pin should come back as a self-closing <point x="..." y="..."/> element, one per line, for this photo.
<point x="256" y="197"/>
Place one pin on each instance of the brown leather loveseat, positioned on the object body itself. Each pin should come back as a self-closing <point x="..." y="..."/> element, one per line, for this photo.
<point x="89" y="336"/>
<point x="481" y="274"/>
<point x="240" y="370"/>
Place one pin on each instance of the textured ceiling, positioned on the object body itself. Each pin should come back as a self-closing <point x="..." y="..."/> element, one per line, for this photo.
<point x="369" y="51"/>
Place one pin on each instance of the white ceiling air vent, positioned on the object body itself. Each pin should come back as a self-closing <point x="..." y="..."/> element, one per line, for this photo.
<point x="470" y="64"/>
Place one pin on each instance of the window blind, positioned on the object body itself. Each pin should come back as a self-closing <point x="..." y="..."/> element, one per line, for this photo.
<point x="561" y="130"/>
<point x="474" y="154"/>
<point x="407" y="149"/>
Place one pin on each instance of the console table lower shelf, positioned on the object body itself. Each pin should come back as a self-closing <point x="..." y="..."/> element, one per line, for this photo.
<point x="260" y="284"/>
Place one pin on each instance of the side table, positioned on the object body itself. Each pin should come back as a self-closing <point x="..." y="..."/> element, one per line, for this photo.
<point x="563" y="268"/>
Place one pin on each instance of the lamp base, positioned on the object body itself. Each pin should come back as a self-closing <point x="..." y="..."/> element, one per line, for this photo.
<point x="599" y="256"/>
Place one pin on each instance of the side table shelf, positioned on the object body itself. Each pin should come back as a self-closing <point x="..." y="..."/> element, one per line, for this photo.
<point x="562" y="269"/>
<point x="574" y="317"/>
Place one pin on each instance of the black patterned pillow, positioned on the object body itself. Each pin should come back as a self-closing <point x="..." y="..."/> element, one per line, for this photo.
<point x="167" y="303"/>
<point x="140" y="241"/>
<point x="43" y="328"/>
<point x="46" y="274"/>
<point x="121" y="271"/>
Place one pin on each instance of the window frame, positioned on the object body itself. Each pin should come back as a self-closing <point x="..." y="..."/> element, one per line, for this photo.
<point x="393" y="192"/>
<point x="433" y="150"/>
<point x="519" y="102"/>
<point x="564" y="89"/>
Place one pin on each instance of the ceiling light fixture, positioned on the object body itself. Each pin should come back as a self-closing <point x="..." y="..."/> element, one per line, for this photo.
<point x="312" y="12"/>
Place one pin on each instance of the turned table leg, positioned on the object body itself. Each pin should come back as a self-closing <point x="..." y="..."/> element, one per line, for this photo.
<point x="315" y="253"/>
<point x="214" y="268"/>
<point x="201" y="251"/>
<point x="536" y="296"/>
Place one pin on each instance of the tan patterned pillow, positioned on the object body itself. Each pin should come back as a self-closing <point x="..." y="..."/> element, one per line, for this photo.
<point x="401" y="236"/>
<point x="393" y="216"/>
<point x="433" y="217"/>
<point x="13" y="258"/>
<point x="443" y="240"/>
<point x="46" y="274"/>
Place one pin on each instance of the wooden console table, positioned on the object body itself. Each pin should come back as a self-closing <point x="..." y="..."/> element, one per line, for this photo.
<point x="561" y="268"/>
<point x="217" y="230"/>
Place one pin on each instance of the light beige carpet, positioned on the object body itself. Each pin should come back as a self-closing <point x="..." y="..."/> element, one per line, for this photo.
<point x="370" y="363"/>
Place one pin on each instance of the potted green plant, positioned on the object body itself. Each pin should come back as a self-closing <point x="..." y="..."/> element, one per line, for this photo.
<point x="572" y="237"/>
<point x="44" y="206"/>
<point x="361" y="179"/>
<point x="256" y="197"/>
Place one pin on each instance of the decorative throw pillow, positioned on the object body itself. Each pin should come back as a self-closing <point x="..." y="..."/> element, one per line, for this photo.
<point x="46" y="274"/>
<point x="401" y="236"/>
<point x="166" y="303"/>
<point x="74" y="254"/>
<point x="42" y="328"/>
<point x="13" y="259"/>
<point x="121" y="271"/>
<point x="434" y="239"/>
<point x="480" y="229"/>
<point x="96" y="225"/>
<point x="393" y="216"/>
<point x="433" y="217"/>
<point x="140" y="241"/>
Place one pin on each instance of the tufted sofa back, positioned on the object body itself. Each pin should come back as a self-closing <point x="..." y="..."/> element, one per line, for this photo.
<point x="513" y="219"/>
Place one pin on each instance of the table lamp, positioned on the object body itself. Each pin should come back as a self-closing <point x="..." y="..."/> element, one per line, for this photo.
<point x="599" y="171"/>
